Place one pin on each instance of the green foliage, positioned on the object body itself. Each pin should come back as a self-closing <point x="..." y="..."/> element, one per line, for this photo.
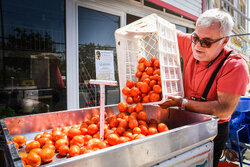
<point x="7" y="112"/>
<point x="23" y="39"/>
<point x="248" y="66"/>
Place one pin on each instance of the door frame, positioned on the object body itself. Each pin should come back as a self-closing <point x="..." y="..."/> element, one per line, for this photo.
<point x="72" y="63"/>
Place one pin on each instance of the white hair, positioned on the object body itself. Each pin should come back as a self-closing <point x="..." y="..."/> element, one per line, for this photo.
<point x="214" y="16"/>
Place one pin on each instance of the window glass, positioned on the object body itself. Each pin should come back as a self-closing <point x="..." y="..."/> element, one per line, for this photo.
<point x="181" y="28"/>
<point x="242" y="19"/>
<point x="32" y="57"/>
<point x="132" y="18"/>
<point x="95" y="32"/>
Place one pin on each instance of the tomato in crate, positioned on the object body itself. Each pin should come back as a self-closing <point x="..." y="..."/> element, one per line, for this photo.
<point x="148" y="61"/>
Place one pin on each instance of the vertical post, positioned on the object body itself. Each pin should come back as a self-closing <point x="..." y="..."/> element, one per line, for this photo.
<point x="102" y="84"/>
<point x="102" y="110"/>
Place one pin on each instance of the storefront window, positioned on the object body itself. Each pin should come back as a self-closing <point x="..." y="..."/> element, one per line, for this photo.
<point x="32" y="57"/>
<point x="132" y="18"/>
<point x="181" y="28"/>
<point x="95" y="32"/>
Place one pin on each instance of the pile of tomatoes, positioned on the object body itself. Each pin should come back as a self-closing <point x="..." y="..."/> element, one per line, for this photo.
<point x="130" y="124"/>
<point x="148" y="87"/>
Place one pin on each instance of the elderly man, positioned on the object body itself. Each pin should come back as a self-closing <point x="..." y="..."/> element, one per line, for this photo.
<point x="214" y="76"/>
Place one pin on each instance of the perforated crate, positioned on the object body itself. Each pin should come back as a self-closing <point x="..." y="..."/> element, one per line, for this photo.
<point x="148" y="37"/>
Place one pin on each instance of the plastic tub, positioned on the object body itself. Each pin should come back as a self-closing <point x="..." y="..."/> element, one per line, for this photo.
<point x="148" y="37"/>
<point x="243" y="105"/>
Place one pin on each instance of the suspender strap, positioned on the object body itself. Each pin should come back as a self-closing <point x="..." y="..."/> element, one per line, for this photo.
<point x="210" y="82"/>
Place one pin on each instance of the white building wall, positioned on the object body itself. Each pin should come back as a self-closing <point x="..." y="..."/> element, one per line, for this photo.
<point x="193" y="7"/>
<point x="137" y="9"/>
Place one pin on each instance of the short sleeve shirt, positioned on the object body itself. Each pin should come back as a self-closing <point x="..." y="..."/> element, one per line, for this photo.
<point x="232" y="78"/>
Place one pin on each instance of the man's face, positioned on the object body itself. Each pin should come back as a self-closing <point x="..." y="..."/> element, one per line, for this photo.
<point x="211" y="33"/>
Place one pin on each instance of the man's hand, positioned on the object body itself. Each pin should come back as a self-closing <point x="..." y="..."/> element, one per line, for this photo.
<point x="223" y="107"/>
<point x="172" y="101"/>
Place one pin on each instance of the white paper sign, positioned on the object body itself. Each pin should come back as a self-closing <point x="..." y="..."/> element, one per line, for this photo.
<point x="104" y="65"/>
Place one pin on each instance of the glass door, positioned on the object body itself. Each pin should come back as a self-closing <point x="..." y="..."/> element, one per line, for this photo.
<point x="95" y="32"/>
<point x="32" y="57"/>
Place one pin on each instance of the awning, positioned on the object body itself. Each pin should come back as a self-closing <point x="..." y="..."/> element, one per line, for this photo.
<point x="174" y="8"/>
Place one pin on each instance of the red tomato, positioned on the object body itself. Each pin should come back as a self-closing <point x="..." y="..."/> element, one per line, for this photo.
<point x="126" y="91"/>
<point x="137" y="99"/>
<point x="157" y="89"/>
<point x="152" y="59"/>
<point x="142" y="116"/>
<point x="84" y="131"/>
<point x="138" y="107"/>
<point x="156" y="63"/>
<point x="141" y="60"/>
<point x="157" y="71"/>
<point x="123" y="139"/>
<point x="144" y="87"/>
<point x="150" y="70"/>
<point x="136" y="130"/>
<point x="49" y="146"/>
<point x="61" y="142"/>
<point x="33" y="159"/>
<point x="139" y="136"/>
<point x="154" y="97"/>
<point x="162" y="127"/>
<point x="122" y="107"/>
<point x="92" y="129"/>
<point x="144" y="129"/>
<point x="152" y="131"/>
<point x="32" y="145"/>
<point x="63" y="150"/>
<point x="131" y="109"/>
<point x="138" y="74"/>
<point x="133" y="123"/>
<point x="129" y="84"/>
<point x="37" y="137"/>
<point x="129" y="100"/>
<point x="78" y="140"/>
<point x="120" y="130"/>
<point x="47" y="154"/>
<point x="147" y="63"/>
<point x="113" y="139"/>
<point x="74" y="151"/>
<point x="123" y="123"/>
<point x="74" y="132"/>
<point x="141" y="67"/>
<point x="152" y="83"/>
<point x="20" y="140"/>
<point x="146" y="99"/>
<point x="56" y="135"/>
<point x="129" y="135"/>
<point x="135" y="91"/>
<point x="113" y="123"/>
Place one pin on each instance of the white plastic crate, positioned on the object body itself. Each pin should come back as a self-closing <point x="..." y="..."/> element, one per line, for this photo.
<point x="148" y="37"/>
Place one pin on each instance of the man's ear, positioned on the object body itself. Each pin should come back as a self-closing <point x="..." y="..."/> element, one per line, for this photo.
<point x="226" y="40"/>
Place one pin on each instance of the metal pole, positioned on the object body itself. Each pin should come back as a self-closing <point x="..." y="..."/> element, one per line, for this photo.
<point x="102" y="84"/>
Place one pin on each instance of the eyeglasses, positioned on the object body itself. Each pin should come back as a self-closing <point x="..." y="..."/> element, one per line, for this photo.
<point x="205" y="43"/>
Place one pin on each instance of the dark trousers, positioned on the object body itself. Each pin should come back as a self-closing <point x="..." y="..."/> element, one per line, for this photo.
<point x="219" y="141"/>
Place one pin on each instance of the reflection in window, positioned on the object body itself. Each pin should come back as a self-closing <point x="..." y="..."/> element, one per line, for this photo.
<point x="132" y="18"/>
<point x="96" y="32"/>
<point x="229" y="8"/>
<point x="241" y="18"/>
<point x="32" y="56"/>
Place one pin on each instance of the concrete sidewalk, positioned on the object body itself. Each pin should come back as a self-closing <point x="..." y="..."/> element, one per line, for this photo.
<point x="246" y="159"/>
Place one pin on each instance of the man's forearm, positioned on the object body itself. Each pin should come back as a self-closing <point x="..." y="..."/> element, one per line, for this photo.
<point x="210" y="107"/>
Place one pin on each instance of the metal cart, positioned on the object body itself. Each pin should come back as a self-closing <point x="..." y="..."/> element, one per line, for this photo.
<point x="189" y="140"/>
